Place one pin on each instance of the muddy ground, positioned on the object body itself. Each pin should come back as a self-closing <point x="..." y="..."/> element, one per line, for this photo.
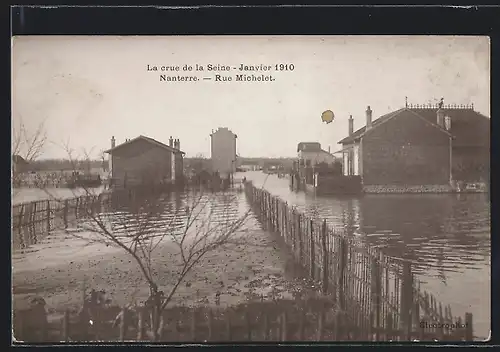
<point x="261" y="267"/>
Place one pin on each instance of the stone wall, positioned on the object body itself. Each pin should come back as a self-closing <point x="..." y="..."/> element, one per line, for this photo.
<point x="408" y="189"/>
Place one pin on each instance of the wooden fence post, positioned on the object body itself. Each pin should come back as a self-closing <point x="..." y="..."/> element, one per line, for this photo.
<point x="99" y="203"/>
<point x="66" y="325"/>
<point x="123" y="324"/>
<point x="228" y="326"/>
<point x="342" y="253"/>
<point x="312" y="261"/>
<point x="376" y="287"/>
<point x="441" y="329"/>
<point x="266" y="325"/>
<point x="469" y="332"/>
<point x="210" y="323"/>
<point x="324" y="271"/>
<point x="301" y="239"/>
<point x="302" y="321"/>
<point x="406" y="299"/>
<point x="277" y="222"/>
<point x="65" y="213"/>
<point x="337" y="329"/>
<point x="293" y="230"/>
<point x="140" y="325"/>
<point x="248" y="326"/>
<point x="21" y="214"/>
<point x="284" y="327"/>
<point x="48" y="215"/>
<point x="416" y="307"/>
<point x="389" y="327"/>
<point x="193" y="325"/>
<point x="33" y="213"/>
<point x="161" y="329"/>
<point x="321" y="322"/>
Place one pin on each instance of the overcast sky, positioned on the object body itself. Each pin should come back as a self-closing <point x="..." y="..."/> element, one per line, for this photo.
<point x="90" y="88"/>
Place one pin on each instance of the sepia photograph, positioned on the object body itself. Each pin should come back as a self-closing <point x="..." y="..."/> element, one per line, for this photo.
<point x="205" y="189"/>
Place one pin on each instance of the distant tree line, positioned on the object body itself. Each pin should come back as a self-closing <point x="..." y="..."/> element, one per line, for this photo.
<point x="66" y="164"/>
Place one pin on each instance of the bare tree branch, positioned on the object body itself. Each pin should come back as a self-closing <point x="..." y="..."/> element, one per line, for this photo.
<point x="197" y="225"/>
<point x="28" y="145"/>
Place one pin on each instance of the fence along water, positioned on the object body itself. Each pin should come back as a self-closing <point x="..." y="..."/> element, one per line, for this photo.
<point x="42" y="216"/>
<point x="376" y="297"/>
<point x="377" y="293"/>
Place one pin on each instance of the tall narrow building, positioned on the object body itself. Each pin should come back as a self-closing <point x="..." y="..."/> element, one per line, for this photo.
<point x="223" y="151"/>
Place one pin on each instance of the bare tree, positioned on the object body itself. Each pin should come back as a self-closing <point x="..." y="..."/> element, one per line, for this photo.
<point x="201" y="223"/>
<point x="27" y="146"/>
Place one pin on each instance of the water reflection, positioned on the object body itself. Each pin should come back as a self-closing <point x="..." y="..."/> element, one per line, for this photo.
<point x="446" y="236"/>
<point x="445" y="232"/>
<point x="163" y="216"/>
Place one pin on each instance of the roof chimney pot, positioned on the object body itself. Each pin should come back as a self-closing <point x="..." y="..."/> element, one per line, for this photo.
<point x="368" y="117"/>
<point x="440" y="118"/>
<point x="351" y="125"/>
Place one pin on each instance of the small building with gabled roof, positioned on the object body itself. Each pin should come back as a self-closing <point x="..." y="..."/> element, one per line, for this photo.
<point x="144" y="160"/>
<point x="310" y="154"/>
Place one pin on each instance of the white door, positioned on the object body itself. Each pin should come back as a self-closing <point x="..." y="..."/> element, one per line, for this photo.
<point x="346" y="163"/>
<point x="356" y="160"/>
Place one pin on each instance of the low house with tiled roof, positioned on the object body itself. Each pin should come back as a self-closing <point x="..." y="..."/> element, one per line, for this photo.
<point x="145" y="161"/>
<point x="310" y="153"/>
<point x="430" y="146"/>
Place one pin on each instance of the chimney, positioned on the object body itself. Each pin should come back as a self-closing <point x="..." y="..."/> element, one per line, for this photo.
<point x="178" y="143"/>
<point x="328" y="149"/>
<point x="368" y="117"/>
<point x="447" y="122"/>
<point x="113" y="142"/>
<point x="170" y="142"/>
<point x="351" y="125"/>
<point x="440" y="117"/>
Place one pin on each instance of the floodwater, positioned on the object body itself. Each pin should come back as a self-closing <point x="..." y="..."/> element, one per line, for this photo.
<point x="27" y="194"/>
<point x="54" y="265"/>
<point x="447" y="235"/>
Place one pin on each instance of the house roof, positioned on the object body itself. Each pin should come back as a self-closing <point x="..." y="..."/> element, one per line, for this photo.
<point x="17" y="159"/>
<point x="359" y="133"/>
<point x="320" y="151"/>
<point x="309" y="147"/>
<point x="223" y="129"/>
<point x="326" y="152"/>
<point x="468" y="127"/>
<point x="343" y="150"/>
<point x="147" y="139"/>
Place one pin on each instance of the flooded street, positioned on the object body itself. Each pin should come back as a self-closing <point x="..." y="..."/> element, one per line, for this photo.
<point x="447" y="236"/>
<point x="55" y="265"/>
<point x="27" y="194"/>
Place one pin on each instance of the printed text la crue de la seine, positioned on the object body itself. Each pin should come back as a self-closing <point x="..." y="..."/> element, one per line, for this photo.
<point x="219" y="73"/>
